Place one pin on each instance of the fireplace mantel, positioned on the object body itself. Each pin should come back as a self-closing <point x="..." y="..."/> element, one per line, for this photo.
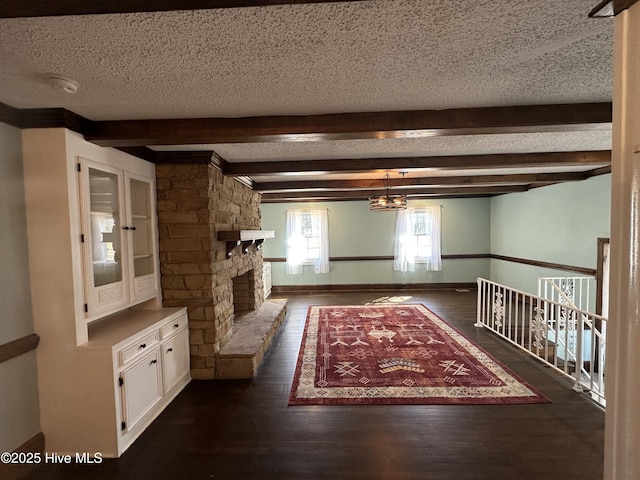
<point x="246" y="238"/>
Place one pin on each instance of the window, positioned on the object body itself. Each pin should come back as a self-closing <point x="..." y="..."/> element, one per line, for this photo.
<point x="307" y="240"/>
<point x="418" y="239"/>
<point x="421" y="236"/>
<point x="310" y="232"/>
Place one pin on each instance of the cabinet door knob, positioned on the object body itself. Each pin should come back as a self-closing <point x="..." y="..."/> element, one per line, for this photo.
<point x="153" y="361"/>
<point x="176" y="325"/>
<point x="169" y="350"/>
<point x="144" y="345"/>
<point x="125" y="228"/>
<point x="132" y="228"/>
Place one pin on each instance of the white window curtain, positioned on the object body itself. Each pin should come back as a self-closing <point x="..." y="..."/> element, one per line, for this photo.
<point x="298" y="252"/>
<point x="404" y="257"/>
<point x="295" y="242"/>
<point x="407" y="251"/>
<point x="322" y="262"/>
<point x="434" y="262"/>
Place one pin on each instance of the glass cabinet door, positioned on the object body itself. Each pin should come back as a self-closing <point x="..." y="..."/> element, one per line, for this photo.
<point x="104" y="243"/>
<point x="106" y="227"/>
<point x="119" y="238"/>
<point x="142" y="235"/>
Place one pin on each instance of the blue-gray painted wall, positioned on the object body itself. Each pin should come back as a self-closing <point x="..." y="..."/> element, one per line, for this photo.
<point x="356" y="232"/>
<point x="557" y="224"/>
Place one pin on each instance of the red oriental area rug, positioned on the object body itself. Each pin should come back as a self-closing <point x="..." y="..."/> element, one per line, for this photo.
<point x="397" y="354"/>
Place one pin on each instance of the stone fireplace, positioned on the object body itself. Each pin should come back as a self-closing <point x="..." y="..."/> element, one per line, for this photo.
<point x="195" y="202"/>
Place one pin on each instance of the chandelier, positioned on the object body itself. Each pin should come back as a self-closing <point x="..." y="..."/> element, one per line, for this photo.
<point x="386" y="202"/>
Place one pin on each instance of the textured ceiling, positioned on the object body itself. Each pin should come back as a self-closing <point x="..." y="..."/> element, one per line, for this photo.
<point x="365" y="56"/>
<point x="313" y="58"/>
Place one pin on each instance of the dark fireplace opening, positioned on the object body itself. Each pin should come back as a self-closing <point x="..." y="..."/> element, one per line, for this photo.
<point x="244" y="299"/>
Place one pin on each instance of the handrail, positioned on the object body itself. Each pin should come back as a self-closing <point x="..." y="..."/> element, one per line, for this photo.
<point x="565" y="297"/>
<point x="564" y="337"/>
<point x="576" y="291"/>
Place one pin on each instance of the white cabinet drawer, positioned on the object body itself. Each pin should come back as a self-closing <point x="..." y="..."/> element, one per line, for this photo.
<point x="174" y="326"/>
<point x="140" y="346"/>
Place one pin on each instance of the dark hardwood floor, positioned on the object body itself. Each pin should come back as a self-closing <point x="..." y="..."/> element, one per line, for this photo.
<point x="244" y="430"/>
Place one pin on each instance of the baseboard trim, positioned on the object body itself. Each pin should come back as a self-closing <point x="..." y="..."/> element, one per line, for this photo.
<point x="280" y="289"/>
<point x="15" y="471"/>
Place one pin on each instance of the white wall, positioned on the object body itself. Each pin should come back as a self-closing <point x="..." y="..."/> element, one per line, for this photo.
<point x="19" y="413"/>
<point x="556" y="224"/>
<point x="355" y="232"/>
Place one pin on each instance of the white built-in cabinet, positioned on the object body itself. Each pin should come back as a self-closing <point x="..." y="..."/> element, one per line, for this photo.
<point x="150" y="366"/>
<point x="110" y="358"/>
<point x="119" y="237"/>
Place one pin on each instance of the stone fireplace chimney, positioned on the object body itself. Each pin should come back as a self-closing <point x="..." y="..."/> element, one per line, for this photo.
<point x="195" y="202"/>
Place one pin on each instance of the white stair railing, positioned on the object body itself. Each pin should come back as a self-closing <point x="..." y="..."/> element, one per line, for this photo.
<point x="574" y="291"/>
<point x="571" y="291"/>
<point x="570" y="340"/>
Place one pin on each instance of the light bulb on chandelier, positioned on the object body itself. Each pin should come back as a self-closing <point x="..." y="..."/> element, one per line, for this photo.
<point x="387" y="202"/>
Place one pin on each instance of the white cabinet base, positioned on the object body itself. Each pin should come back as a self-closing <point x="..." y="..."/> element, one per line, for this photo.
<point x="117" y="383"/>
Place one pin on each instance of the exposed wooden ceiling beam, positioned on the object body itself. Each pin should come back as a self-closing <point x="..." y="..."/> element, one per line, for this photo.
<point x="377" y="183"/>
<point x="600" y="171"/>
<point x="364" y="164"/>
<point x="610" y="8"/>
<point x="49" y="8"/>
<point x="342" y="126"/>
<point x="43" y="118"/>
<point x="620" y="5"/>
<point x="417" y="193"/>
<point x="565" y="116"/>
<point x="599" y="157"/>
<point x="10" y="115"/>
<point x="141" y="152"/>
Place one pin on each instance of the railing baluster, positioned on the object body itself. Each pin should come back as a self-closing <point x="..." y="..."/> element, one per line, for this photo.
<point x="518" y="326"/>
<point x="553" y="314"/>
<point x="532" y="312"/>
<point x="508" y="307"/>
<point x="493" y="306"/>
<point x="579" y="345"/>
<point x="529" y="321"/>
